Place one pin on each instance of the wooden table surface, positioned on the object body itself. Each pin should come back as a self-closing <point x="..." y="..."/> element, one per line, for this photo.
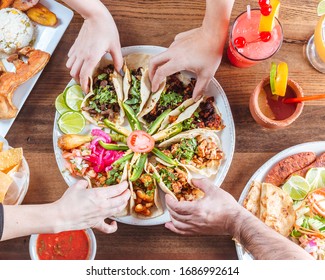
<point x="156" y="22"/>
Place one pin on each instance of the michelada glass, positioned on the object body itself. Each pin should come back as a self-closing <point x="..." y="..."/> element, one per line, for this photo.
<point x="247" y="46"/>
<point x="315" y="49"/>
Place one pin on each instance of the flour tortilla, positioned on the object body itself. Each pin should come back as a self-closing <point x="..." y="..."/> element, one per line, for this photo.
<point x="117" y="81"/>
<point x="157" y="209"/>
<point x="133" y="62"/>
<point x="154" y="98"/>
<point x="205" y="134"/>
<point x="253" y="199"/>
<point x="199" y="193"/>
<point x="276" y="209"/>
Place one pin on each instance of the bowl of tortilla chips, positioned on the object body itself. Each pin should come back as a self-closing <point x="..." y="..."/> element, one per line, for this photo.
<point x="14" y="174"/>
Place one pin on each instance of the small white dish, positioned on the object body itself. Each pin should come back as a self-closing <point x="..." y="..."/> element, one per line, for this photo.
<point x="91" y="238"/>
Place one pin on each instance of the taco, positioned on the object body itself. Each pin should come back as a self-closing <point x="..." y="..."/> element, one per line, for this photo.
<point x="136" y="82"/>
<point x="104" y="101"/>
<point x="199" y="150"/>
<point x="176" y="181"/>
<point x="203" y="114"/>
<point x="172" y="93"/>
<point x="86" y="158"/>
<point x="145" y="202"/>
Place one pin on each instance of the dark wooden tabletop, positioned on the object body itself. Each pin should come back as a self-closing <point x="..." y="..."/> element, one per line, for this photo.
<point x="156" y="22"/>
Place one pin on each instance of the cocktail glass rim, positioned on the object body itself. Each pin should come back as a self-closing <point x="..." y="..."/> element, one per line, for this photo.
<point x="253" y="59"/>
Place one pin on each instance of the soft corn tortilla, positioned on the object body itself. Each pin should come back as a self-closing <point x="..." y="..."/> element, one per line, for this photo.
<point x="133" y="62"/>
<point x="117" y="81"/>
<point x="205" y="135"/>
<point x="276" y="209"/>
<point x="157" y="209"/>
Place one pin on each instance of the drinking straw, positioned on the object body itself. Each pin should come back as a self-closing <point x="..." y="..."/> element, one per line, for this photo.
<point x="304" y="98"/>
<point x="249" y="11"/>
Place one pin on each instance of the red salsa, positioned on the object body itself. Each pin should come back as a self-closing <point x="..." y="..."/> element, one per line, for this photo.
<point x="67" y="245"/>
<point x="273" y="107"/>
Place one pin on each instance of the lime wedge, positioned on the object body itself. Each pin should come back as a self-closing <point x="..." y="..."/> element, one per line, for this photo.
<point x="71" y="123"/>
<point x="321" y="8"/>
<point x="74" y="97"/>
<point x="316" y="178"/>
<point x="273" y="76"/>
<point x="297" y="187"/>
<point x="60" y="105"/>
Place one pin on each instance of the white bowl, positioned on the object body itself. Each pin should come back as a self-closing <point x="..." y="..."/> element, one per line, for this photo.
<point x="91" y="238"/>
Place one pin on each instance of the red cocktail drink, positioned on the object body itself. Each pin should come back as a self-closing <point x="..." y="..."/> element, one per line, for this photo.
<point x="247" y="45"/>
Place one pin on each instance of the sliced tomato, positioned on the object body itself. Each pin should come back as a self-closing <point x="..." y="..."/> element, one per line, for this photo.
<point x="140" y="142"/>
<point x="317" y="201"/>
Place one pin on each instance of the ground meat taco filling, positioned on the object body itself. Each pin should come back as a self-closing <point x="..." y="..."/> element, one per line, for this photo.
<point x="104" y="103"/>
<point x="175" y="93"/>
<point x="144" y="189"/>
<point x="198" y="152"/>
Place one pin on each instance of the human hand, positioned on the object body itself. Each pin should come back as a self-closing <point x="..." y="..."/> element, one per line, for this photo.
<point x="197" y="51"/>
<point x="212" y="215"/>
<point x="81" y="208"/>
<point x="98" y="35"/>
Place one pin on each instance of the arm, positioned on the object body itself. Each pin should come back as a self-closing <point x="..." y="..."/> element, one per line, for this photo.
<point x="218" y="213"/>
<point x="98" y="35"/>
<point x="198" y="50"/>
<point x="78" y="208"/>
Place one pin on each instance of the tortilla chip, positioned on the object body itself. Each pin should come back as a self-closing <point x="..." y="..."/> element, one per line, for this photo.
<point x="276" y="209"/>
<point x="5" y="182"/>
<point x="1" y="146"/>
<point x="253" y="199"/>
<point x="10" y="158"/>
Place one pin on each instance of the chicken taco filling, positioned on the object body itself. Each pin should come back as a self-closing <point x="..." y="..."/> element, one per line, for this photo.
<point x="199" y="152"/>
<point x="176" y="180"/>
<point x="134" y="95"/>
<point x="104" y="103"/>
<point x="144" y="189"/>
<point x="174" y="94"/>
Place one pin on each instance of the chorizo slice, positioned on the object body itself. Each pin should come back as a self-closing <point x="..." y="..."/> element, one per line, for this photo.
<point x="284" y="168"/>
<point x="319" y="162"/>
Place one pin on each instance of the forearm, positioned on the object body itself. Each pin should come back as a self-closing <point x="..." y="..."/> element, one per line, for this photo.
<point x="87" y="8"/>
<point x="217" y="16"/>
<point x="262" y="241"/>
<point x="23" y="220"/>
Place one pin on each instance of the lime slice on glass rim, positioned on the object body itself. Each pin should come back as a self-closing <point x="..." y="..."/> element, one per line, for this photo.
<point x="297" y="187"/>
<point x="73" y="97"/>
<point x="321" y="8"/>
<point x="316" y="178"/>
<point x="71" y="122"/>
<point x="60" y="105"/>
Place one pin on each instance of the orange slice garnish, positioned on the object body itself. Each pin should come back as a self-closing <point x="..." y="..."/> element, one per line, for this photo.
<point x="267" y="22"/>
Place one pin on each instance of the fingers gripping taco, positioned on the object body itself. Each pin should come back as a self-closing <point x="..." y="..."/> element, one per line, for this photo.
<point x="199" y="150"/>
<point x="145" y="202"/>
<point x="136" y="82"/>
<point x="104" y="100"/>
<point x="176" y="181"/>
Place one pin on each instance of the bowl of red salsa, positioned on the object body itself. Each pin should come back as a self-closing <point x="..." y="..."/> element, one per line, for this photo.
<point x="66" y="245"/>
